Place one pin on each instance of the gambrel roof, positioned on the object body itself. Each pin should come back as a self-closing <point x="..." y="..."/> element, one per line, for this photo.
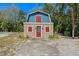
<point x="38" y="12"/>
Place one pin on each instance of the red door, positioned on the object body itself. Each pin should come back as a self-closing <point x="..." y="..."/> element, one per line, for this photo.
<point x="38" y="31"/>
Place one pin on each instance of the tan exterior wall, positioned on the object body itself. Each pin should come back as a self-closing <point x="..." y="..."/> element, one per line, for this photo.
<point x="43" y="33"/>
<point x="46" y="34"/>
<point x="31" y="34"/>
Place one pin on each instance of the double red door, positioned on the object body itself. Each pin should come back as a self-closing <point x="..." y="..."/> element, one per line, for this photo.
<point x="38" y="31"/>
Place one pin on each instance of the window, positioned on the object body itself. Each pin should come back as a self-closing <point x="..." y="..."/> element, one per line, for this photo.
<point x="47" y="29"/>
<point x="29" y="29"/>
<point x="38" y="29"/>
<point x="38" y="18"/>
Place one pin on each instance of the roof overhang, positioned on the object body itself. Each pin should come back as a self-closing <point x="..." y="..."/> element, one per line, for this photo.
<point x="37" y="23"/>
<point x="38" y="11"/>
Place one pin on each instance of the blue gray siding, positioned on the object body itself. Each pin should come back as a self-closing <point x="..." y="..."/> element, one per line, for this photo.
<point x="45" y="18"/>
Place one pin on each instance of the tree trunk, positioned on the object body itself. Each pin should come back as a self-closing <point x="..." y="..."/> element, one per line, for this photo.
<point x="73" y="23"/>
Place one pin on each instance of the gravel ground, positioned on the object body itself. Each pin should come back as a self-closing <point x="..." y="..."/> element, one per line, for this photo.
<point x="37" y="47"/>
<point x="40" y="47"/>
<point x="68" y="47"/>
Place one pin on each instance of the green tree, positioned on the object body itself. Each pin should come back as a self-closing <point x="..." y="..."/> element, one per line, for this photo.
<point x="21" y="20"/>
<point x="64" y="17"/>
<point x="11" y="19"/>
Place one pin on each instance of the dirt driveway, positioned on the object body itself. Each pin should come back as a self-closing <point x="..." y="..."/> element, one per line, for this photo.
<point x="41" y="47"/>
<point x="37" y="47"/>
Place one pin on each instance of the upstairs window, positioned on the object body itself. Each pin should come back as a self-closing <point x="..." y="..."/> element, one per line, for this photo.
<point x="38" y="18"/>
<point x="47" y="29"/>
<point x="29" y="29"/>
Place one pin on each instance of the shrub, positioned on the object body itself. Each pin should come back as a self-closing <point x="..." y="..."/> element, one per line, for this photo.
<point x="66" y="33"/>
<point x="27" y="36"/>
<point x="54" y="36"/>
<point x="21" y="36"/>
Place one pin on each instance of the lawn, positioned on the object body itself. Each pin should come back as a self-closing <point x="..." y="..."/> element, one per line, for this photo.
<point x="7" y="42"/>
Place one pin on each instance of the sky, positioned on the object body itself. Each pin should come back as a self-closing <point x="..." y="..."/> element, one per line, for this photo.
<point x="26" y="7"/>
